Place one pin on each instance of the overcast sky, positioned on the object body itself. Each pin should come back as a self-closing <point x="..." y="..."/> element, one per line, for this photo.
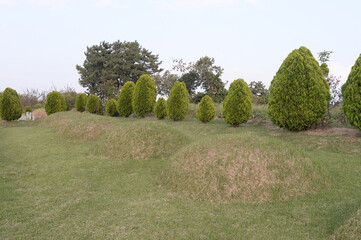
<point x="41" y="41"/>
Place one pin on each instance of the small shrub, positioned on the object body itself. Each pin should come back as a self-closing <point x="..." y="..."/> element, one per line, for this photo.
<point x="10" y="105"/>
<point x="38" y="106"/>
<point x="93" y="104"/>
<point x="55" y="102"/>
<point x="144" y="96"/>
<point x="178" y="102"/>
<point x="80" y="102"/>
<point x="238" y="103"/>
<point x="111" y="108"/>
<point x="160" y="110"/>
<point x="125" y="99"/>
<point x="28" y="109"/>
<point x="206" y="111"/>
<point x="351" y="92"/>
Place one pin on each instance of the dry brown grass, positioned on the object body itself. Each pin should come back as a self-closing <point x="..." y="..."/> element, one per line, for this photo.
<point x="239" y="168"/>
<point x="39" y="114"/>
<point x="351" y="230"/>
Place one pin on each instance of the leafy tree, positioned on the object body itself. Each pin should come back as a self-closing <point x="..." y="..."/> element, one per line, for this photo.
<point x="30" y="97"/>
<point x="178" y="102"/>
<point x="80" y="102"/>
<point x="160" y="109"/>
<point x="324" y="56"/>
<point x="351" y="92"/>
<point x="238" y="103"/>
<point x="165" y="82"/>
<point x="93" y="104"/>
<point x="38" y="106"/>
<point x="191" y="80"/>
<point x="70" y="97"/>
<point x="55" y="102"/>
<point x="206" y="111"/>
<point x="111" y="108"/>
<point x="108" y="66"/>
<point x="299" y="93"/>
<point x="125" y="99"/>
<point x="10" y="105"/>
<point x="144" y="96"/>
<point x="259" y="91"/>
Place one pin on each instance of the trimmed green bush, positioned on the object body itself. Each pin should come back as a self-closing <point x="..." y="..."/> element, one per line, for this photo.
<point x="238" y="103"/>
<point x="206" y="111"/>
<point x="125" y="99"/>
<point x="178" y="101"/>
<point x="299" y="93"/>
<point x="80" y="102"/>
<point x="93" y="104"/>
<point x="111" y="108"/>
<point x="55" y="102"/>
<point x="38" y="106"/>
<point x="351" y="93"/>
<point x="28" y="109"/>
<point x="144" y="96"/>
<point x="160" y="110"/>
<point x="10" y="105"/>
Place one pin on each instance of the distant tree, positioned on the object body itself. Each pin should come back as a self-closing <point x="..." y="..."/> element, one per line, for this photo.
<point x="205" y="111"/>
<point x="259" y="92"/>
<point x="28" y="109"/>
<point x="178" y="102"/>
<point x="165" y="82"/>
<point x="108" y="66"/>
<point x="70" y="95"/>
<point x="80" y="102"/>
<point x="10" y="105"/>
<point x="144" y="96"/>
<point x="160" y="109"/>
<point x="30" y="97"/>
<point x="111" y="108"/>
<point x="125" y="99"/>
<point x="192" y="82"/>
<point x="325" y="69"/>
<point x="324" y="56"/>
<point x="238" y="103"/>
<point x="55" y="102"/>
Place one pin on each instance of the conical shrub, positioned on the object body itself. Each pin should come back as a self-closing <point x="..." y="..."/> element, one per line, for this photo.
<point x="206" y="111"/>
<point x="238" y="103"/>
<point x="351" y="93"/>
<point x="299" y="93"/>
<point x="93" y="104"/>
<point x="55" y="102"/>
<point x="111" y="108"/>
<point x="80" y="102"/>
<point x="160" y="109"/>
<point x="125" y="99"/>
<point x="144" y="96"/>
<point x="178" y="102"/>
<point x="10" y="105"/>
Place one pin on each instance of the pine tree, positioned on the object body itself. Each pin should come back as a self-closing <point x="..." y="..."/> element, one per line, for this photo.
<point x="177" y="103"/>
<point x="160" y="109"/>
<point x="206" y="111"/>
<point x="238" y="103"/>
<point x="299" y="93"/>
<point x="125" y="99"/>
<point x="144" y="96"/>
<point x="351" y="93"/>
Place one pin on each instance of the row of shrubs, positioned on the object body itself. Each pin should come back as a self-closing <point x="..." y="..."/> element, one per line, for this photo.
<point x="299" y="97"/>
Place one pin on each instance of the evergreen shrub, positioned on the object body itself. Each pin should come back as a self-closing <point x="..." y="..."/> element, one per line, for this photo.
<point x="206" y="111"/>
<point x="299" y="93"/>
<point x="55" y="102"/>
<point x="28" y="109"/>
<point x="125" y="99"/>
<point x="238" y="103"/>
<point x="160" y="110"/>
<point x="144" y="96"/>
<point x="111" y="108"/>
<point x="10" y="105"/>
<point x="80" y="102"/>
<point x="93" y="104"/>
<point x="178" y="102"/>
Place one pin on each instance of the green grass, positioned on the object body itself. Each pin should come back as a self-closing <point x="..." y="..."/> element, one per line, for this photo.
<point x="59" y="181"/>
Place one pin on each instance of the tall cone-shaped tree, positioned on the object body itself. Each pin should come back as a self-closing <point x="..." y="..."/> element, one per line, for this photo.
<point x="111" y="107"/>
<point x="10" y="105"/>
<point x="351" y="93"/>
<point x="238" y="103"/>
<point x="178" y="102"/>
<point x="55" y="102"/>
<point x="299" y="93"/>
<point x="144" y="96"/>
<point x="205" y="111"/>
<point x="80" y="102"/>
<point x="125" y="99"/>
<point x="160" y="109"/>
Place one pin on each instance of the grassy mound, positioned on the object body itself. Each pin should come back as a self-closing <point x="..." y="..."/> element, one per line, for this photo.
<point x="140" y="140"/>
<point x="242" y="168"/>
<point x="351" y="230"/>
<point x="78" y="127"/>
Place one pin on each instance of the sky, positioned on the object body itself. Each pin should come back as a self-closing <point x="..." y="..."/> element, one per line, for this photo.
<point x="41" y="41"/>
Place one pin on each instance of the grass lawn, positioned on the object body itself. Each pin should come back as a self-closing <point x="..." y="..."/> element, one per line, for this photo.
<point x="82" y="176"/>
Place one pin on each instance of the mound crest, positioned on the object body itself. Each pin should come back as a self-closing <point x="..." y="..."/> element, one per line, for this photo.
<point x="140" y="140"/>
<point x="241" y="168"/>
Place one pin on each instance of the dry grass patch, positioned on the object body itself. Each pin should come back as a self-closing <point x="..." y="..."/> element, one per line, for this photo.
<point x="351" y="230"/>
<point x="242" y="168"/>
